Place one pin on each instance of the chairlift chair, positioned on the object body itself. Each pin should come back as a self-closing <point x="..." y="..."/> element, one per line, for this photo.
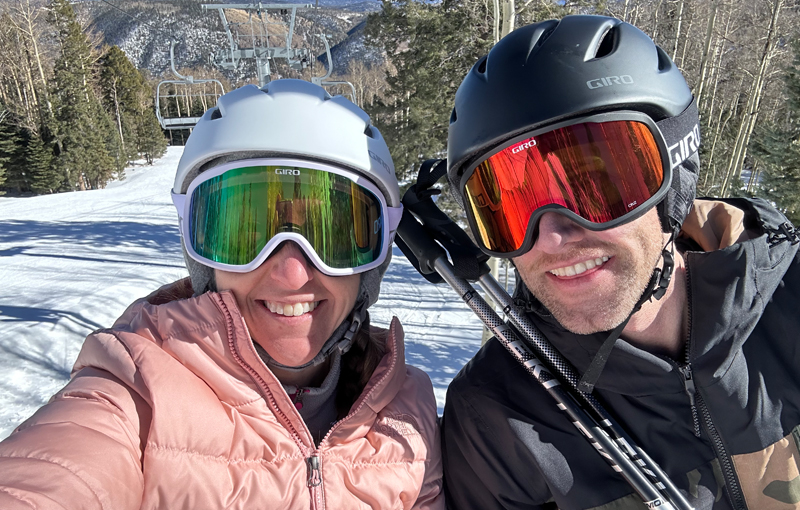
<point x="323" y="81"/>
<point x="170" y="91"/>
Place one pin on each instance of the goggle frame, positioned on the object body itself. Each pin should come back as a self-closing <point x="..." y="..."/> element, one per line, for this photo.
<point x="533" y="221"/>
<point x="390" y="215"/>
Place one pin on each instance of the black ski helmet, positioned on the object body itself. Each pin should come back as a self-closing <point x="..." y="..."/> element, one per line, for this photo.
<point x="555" y="70"/>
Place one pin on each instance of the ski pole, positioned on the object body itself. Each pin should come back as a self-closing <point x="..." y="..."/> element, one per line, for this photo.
<point x="565" y="372"/>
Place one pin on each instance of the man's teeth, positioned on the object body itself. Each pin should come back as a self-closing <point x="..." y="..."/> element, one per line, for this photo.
<point x="292" y="310"/>
<point x="580" y="267"/>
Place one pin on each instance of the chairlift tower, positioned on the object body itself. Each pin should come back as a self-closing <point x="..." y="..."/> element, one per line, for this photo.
<point x="258" y="38"/>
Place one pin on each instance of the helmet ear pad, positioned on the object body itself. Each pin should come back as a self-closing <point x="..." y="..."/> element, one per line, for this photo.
<point x="679" y="199"/>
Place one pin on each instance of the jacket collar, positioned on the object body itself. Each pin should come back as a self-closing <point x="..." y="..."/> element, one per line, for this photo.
<point x="213" y="324"/>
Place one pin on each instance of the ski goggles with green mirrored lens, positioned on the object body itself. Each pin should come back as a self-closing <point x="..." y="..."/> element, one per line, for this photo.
<point x="600" y="171"/>
<point x="235" y="215"/>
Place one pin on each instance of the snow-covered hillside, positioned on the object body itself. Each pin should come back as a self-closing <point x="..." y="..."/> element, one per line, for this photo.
<point x="144" y="31"/>
<point x="71" y="263"/>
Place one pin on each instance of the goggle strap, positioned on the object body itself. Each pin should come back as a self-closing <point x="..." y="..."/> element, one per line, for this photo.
<point x="180" y="201"/>
<point x="682" y="134"/>
<point x="394" y="214"/>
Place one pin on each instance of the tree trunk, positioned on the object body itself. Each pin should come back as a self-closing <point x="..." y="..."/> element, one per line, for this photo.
<point x="682" y="4"/>
<point x="118" y="116"/>
<point x="748" y="122"/>
<point x="496" y="21"/>
<point x="712" y="19"/>
<point x="509" y="18"/>
<point x="28" y="16"/>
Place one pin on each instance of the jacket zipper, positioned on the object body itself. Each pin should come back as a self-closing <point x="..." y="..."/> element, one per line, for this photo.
<point x="688" y="383"/>
<point x="686" y="369"/>
<point x="314" y="481"/>
<point x="700" y="409"/>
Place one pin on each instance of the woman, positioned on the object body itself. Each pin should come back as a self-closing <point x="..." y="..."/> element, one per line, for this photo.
<point x="258" y="382"/>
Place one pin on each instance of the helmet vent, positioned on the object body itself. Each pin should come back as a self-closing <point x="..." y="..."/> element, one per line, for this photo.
<point x="545" y="35"/>
<point x="368" y="131"/>
<point x="216" y="114"/>
<point x="453" y="116"/>
<point x="482" y="65"/>
<point x="606" y="46"/>
<point x="664" y="62"/>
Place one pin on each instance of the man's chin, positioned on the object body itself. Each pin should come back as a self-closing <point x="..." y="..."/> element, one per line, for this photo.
<point x="589" y="322"/>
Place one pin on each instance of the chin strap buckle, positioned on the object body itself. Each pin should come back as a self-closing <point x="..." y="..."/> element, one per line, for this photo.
<point x="347" y="340"/>
<point x="785" y="232"/>
<point x="664" y="275"/>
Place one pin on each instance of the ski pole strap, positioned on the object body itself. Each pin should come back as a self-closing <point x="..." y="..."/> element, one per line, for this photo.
<point x="430" y="172"/>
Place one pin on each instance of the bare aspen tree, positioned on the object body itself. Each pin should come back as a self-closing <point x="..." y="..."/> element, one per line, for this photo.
<point x="496" y="21"/>
<point x="681" y="7"/>
<point x="28" y="17"/>
<point x="706" y="55"/>
<point x="748" y="121"/>
<point x="509" y="18"/>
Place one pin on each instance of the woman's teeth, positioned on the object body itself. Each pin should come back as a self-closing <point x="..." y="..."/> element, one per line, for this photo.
<point x="291" y="310"/>
<point x="580" y="267"/>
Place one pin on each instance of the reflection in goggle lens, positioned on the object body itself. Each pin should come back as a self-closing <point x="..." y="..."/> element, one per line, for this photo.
<point x="599" y="170"/>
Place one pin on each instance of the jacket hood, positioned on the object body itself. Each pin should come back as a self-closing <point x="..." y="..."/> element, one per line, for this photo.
<point x="736" y="255"/>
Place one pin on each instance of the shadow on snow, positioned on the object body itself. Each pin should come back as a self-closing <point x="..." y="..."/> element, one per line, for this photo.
<point x="97" y="234"/>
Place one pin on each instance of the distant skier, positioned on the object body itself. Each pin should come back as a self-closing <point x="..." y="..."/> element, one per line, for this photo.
<point x="573" y="146"/>
<point x="259" y="383"/>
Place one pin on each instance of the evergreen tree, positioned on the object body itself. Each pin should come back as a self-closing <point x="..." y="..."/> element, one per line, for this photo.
<point x="45" y="178"/>
<point x="12" y="167"/>
<point x="78" y="115"/>
<point x="151" y="143"/>
<point x="117" y="154"/>
<point x="119" y="82"/>
<point x="433" y="46"/>
<point x="5" y="143"/>
<point x="129" y="100"/>
<point x="150" y="140"/>
<point x="776" y="147"/>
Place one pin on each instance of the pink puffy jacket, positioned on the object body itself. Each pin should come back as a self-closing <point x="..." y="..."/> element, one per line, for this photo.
<point x="173" y="409"/>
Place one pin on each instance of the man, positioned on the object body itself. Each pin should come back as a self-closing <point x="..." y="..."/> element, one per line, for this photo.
<point x="573" y="146"/>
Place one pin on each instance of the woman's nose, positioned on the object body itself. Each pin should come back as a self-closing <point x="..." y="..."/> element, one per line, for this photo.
<point x="289" y="267"/>
<point x="556" y="231"/>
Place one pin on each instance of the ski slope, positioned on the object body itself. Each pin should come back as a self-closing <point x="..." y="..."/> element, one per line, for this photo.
<point x="71" y="263"/>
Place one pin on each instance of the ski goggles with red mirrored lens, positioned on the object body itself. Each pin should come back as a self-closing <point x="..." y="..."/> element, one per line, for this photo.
<point x="600" y="171"/>
<point x="233" y="216"/>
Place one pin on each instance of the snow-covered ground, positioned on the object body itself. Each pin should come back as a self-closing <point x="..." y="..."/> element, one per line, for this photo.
<point x="71" y="263"/>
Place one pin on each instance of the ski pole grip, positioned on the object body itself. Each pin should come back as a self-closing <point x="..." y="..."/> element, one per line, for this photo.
<point x="468" y="260"/>
<point x="418" y="246"/>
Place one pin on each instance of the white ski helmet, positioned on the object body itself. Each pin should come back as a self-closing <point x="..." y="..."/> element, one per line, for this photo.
<point x="288" y="118"/>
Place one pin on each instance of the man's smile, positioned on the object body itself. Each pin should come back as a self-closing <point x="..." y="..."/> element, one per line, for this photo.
<point x="580" y="267"/>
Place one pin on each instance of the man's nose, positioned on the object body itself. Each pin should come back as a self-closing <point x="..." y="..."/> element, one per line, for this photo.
<point x="556" y="231"/>
<point x="289" y="266"/>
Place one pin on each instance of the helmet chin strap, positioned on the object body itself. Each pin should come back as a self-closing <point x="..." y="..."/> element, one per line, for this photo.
<point x="341" y="340"/>
<point x="656" y="288"/>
